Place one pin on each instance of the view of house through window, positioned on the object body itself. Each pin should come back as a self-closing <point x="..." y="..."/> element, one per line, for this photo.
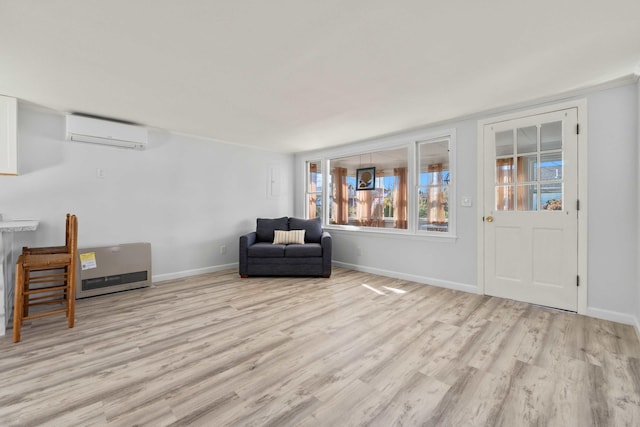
<point x="384" y="203"/>
<point x="433" y="185"/>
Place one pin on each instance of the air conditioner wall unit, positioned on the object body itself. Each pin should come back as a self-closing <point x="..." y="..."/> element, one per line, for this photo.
<point x="105" y="132"/>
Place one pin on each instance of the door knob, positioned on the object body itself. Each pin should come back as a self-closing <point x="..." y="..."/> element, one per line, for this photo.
<point x="489" y="218"/>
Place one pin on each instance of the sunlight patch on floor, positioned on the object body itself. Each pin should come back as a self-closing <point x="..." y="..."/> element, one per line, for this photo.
<point x="371" y="288"/>
<point x="395" y="290"/>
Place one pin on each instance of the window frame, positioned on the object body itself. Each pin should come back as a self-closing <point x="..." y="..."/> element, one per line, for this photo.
<point x="381" y="174"/>
<point x="451" y="187"/>
<point x="411" y="142"/>
<point x="307" y="184"/>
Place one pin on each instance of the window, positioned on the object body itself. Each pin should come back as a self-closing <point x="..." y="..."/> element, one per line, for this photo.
<point x="313" y="192"/>
<point x="407" y="188"/>
<point x="434" y="178"/>
<point x="536" y="169"/>
<point x="383" y="206"/>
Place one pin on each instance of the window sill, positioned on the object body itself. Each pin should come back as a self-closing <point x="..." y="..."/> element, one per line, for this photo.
<point x="391" y="232"/>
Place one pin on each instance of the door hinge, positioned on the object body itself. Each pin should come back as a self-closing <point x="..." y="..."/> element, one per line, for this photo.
<point x="578" y="129"/>
<point x="578" y="204"/>
<point x="577" y="280"/>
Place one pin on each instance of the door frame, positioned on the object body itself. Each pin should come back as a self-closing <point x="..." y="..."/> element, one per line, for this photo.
<point x="581" y="106"/>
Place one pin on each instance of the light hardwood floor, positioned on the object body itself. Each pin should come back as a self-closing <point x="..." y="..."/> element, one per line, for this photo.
<point x="218" y="350"/>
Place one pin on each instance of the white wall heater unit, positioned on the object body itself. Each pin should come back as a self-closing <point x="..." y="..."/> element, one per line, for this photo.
<point x="105" y="132"/>
<point x="108" y="269"/>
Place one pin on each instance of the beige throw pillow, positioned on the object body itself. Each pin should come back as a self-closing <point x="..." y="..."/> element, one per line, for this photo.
<point x="283" y="237"/>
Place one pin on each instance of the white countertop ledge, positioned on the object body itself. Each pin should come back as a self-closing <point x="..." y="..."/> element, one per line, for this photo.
<point x="19" y="225"/>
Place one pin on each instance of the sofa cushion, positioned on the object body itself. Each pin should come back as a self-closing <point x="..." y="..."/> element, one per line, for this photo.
<point x="302" y="251"/>
<point x="266" y="250"/>
<point x="282" y="237"/>
<point x="266" y="226"/>
<point x="312" y="227"/>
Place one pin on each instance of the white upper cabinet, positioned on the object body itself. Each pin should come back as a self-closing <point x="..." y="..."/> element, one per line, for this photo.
<point x="8" y="136"/>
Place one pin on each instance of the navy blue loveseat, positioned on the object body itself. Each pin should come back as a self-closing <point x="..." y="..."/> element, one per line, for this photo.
<point x="260" y="257"/>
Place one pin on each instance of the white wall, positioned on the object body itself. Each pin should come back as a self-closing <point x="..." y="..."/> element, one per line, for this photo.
<point x="612" y="214"/>
<point x="435" y="260"/>
<point x="187" y="196"/>
<point x="637" y="319"/>
<point x="613" y="201"/>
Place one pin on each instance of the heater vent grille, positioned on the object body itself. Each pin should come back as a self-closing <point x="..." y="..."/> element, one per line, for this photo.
<point x="108" y="269"/>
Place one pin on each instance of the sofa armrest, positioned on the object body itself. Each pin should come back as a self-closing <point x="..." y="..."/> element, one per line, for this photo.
<point x="243" y="260"/>
<point x="326" y="244"/>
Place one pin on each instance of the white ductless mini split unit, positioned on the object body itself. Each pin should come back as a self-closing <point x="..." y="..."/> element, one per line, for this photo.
<point x="105" y="132"/>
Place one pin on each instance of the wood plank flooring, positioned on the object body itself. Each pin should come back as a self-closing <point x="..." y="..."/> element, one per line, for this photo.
<point x="216" y="350"/>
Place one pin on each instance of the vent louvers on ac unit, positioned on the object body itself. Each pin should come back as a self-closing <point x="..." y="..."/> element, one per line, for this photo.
<point x="105" y="132"/>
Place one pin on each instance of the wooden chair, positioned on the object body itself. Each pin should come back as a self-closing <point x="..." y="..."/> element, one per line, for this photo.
<point x="46" y="276"/>
<point x="53" y="249"/>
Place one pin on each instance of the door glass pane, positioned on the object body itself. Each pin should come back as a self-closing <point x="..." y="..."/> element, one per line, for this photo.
<point x="504" y="198"/>
<point x="528" y="139"/>
<point x="551" y="136"/>
<point x="527" y="196"/>
<point x="504" y="143"/>
<point x="537" y="173"/>
<point x="551" y="196"/>
<point x="551" y="166"/>
<point x="527" y="170"/>
<point x="504" y="171"/>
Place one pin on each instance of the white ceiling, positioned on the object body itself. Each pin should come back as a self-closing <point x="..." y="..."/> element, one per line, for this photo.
<point x="296" y="75"/>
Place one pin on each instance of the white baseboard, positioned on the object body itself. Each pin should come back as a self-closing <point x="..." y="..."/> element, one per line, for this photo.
<point x="194" y="272"/>
<point x="614" y="316"/>
<point x="411" y="277"/>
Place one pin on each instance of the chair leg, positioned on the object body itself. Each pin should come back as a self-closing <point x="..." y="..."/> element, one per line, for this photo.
<point x="65" y="293"/>
<point x="18" y="302"/>
<point x="71" y="295"/>
<point x="71" y="308"/>
<point x="26" y="274"/>
<point x="71" y="288"/>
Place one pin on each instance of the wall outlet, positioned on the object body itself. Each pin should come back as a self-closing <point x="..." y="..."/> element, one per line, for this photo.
<point x="100" y="173"/>
<point x="223" y="249"/>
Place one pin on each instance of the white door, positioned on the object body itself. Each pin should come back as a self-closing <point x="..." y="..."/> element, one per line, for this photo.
<point x="530" y="212"/>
